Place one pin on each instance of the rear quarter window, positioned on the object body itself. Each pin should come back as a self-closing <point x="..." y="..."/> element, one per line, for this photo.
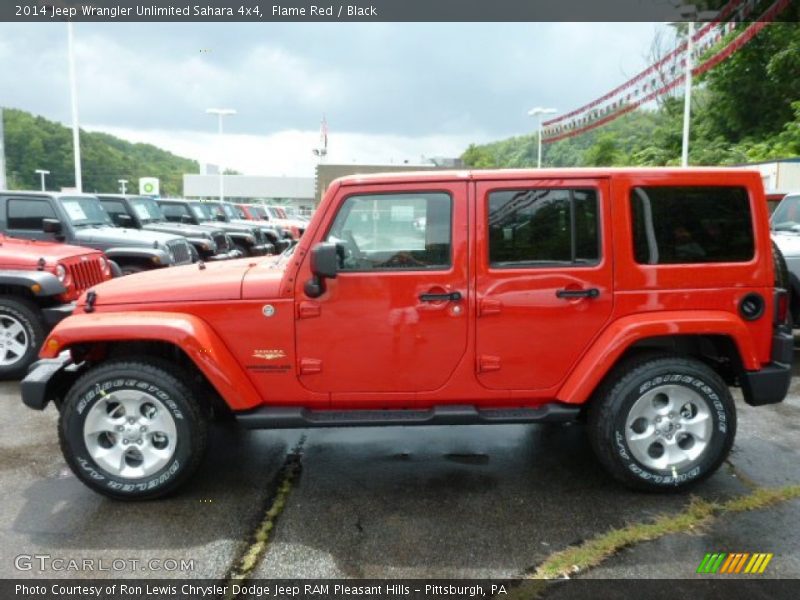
<point x="691" y="224"/>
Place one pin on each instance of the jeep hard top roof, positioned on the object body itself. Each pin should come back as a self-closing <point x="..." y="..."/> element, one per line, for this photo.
<point x="39" y="194"/>
<point x="564" y="173"/>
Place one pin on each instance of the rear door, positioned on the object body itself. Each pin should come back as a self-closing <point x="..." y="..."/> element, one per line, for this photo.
<point x="544" y="278"/>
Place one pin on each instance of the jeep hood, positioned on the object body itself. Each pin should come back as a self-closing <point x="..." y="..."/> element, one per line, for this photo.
<point x="183" y="229"/>
<point x="120" y="236"/>
<point x="218" y="281"/>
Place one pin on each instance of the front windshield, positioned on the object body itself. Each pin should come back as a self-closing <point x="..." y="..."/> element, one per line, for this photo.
<point x="787" y="216"/>
<point x="261" y="213"/>
<point x="85" y="212"/>
<point x="147" y="210"/>
<point x="229" y="211"/>
<point x="274" y="212"/>
<point x="202" y="211"/>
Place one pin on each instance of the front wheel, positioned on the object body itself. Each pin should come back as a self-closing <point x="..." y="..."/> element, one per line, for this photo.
<point x="132" y="430"/>
<point x="21" y="335"/>
<point x="663" y="423"/>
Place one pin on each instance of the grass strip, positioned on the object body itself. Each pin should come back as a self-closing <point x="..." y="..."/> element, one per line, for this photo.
<point x="699" y="513"/>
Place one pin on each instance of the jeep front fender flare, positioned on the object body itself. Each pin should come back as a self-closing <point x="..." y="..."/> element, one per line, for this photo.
<point x="607" y="349"/>
<point x="119" y="253"/>
<point x="49" y="285"/>
<point x="189" y="333"/>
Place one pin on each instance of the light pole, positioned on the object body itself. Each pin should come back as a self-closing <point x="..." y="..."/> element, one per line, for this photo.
<point x="221" y="112"/>
<point x="538" y="112"/>
<point x="687" y="95"/>
<point x="122" y="184"/>
<point x="42" y="174"/>
<point x="73" y="94"/>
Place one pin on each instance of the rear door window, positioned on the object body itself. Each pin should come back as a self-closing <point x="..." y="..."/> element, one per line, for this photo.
<point x="28" y="213"/>
<point x="691" y="224"/>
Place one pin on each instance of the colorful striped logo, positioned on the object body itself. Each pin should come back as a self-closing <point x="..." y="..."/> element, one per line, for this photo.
<point x="734" y="563"/>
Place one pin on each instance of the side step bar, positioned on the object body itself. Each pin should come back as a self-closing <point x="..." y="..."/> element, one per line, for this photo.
<point x="292" y="417"/>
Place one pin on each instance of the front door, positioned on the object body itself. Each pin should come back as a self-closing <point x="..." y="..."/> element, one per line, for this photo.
<point x="544" y="278"/>
<point x="394" y="320"/>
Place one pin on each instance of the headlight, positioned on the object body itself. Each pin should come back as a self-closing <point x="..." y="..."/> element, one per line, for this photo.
<point x="105" y="266"/>
<point x="61" y="273"/>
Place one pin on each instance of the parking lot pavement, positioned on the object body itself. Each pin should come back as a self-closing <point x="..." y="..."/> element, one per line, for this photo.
<point x="465" y="501"/>
<point x="46" y="510"/>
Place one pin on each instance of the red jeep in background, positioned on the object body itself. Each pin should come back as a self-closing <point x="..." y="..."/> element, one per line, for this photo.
<point x="632" y="299"/>
<point x="39" y="283"/>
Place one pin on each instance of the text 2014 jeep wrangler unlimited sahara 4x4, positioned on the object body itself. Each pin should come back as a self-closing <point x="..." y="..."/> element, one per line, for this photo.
<point x="633" y="298"/>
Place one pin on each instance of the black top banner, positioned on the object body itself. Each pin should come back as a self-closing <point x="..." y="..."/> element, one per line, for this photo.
<point x="255" y="11"/>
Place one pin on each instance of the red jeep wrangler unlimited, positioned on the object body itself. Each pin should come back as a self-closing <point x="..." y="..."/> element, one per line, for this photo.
<point x="39" y="283"/>
<point x="631" y="298"/>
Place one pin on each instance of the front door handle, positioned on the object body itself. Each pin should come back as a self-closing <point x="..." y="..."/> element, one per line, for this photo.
<point x="588" y="293"/>
<point x="446" y="297"/>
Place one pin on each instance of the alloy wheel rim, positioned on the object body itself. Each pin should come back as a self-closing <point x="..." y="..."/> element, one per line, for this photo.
<point x="669" y="428"/>
<point x="130" y="434"/>
<point x="14" y="340"/>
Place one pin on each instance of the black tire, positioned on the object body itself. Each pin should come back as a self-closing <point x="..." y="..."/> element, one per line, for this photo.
<point x="614" y="400"/>
<point x="242" y="248"/>
<point x="133" y="269"/>
<point x="781" y="269"/>
<point x="162" y="383"/>
<point x="25" y="313"/>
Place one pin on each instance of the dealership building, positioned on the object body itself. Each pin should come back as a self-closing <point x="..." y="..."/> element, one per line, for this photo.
<point x="304" y="193"/>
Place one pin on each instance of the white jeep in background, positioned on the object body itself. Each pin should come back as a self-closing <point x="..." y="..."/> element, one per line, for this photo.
<point x="785" y="223"/>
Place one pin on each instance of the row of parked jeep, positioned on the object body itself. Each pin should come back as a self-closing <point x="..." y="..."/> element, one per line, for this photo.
<point x="54" y="246"/>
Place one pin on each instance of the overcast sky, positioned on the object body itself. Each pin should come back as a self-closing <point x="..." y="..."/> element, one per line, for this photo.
<point x="391" y="91"/>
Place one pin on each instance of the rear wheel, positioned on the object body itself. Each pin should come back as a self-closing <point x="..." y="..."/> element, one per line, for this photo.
<point x="21" y="335"/>
<point x="131" y="430"/>
<point x="662" y="423"/>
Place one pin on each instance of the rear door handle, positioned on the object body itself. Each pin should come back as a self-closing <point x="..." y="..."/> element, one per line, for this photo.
<point x="447" y="297"/>
<point x="588" y="293"/>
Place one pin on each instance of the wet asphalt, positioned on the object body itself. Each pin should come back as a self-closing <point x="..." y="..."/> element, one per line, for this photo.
<point x="469" y="501"/>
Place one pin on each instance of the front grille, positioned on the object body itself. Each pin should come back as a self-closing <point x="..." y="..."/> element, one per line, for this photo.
<point x="261" y="237"/>
<point x="221" y="240"/>
<point x="85" y="273"/>
<point x="181" y="253"/>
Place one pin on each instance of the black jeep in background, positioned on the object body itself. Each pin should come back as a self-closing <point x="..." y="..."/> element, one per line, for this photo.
<point x="142" y="212"/>
<point x="80" y="220"/>
<point x="248" y="239"/>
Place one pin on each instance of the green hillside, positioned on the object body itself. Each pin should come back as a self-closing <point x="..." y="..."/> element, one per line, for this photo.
<point x="747" y="109"/>
<point x="35" y="143"/>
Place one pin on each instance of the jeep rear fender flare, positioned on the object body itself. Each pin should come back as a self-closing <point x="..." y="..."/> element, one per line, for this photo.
<point x="621" y="334"/>
<point x="189" y="333"/>
<point x="49" y="285"/>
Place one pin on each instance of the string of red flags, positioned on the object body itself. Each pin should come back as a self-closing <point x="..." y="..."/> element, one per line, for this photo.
<point x="668" y="72"/>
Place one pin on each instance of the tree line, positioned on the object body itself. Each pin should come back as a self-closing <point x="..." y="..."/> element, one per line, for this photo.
<point x="747" y="109"/>
<point x="33" y="142"/>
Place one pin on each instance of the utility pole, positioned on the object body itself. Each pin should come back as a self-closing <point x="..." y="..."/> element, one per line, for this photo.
<point x="3" y="184"/>
<point x="122" y="184"/>
<point x="538" y="112"/>
<point x="687" y="96"/>
<point x="73" y="94"/>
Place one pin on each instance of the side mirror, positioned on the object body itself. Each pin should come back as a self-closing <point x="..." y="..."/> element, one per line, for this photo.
<point x="51" y="226"/>
<point x="324" y="265"/>
<point x="186" y="219"/>
<point x="124" y="220"/>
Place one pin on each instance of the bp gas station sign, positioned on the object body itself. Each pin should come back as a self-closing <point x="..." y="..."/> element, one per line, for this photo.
<point x="149" y="186"/>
